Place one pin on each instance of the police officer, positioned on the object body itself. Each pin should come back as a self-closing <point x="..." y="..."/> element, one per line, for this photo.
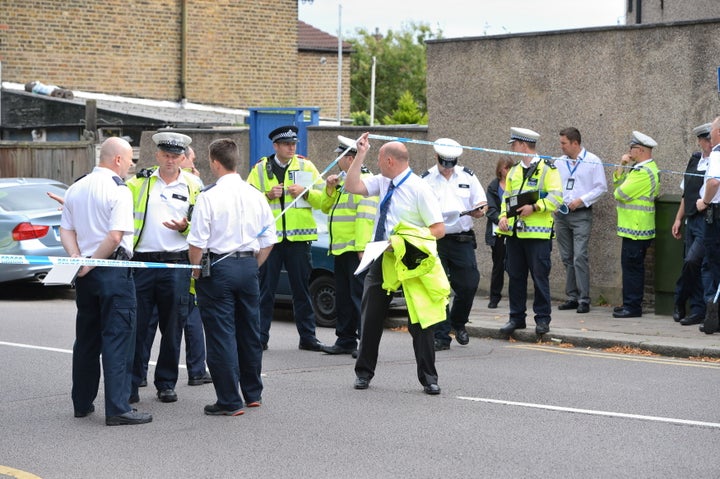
<point x="458" y="190"/>
<point x="163" y="197"/>
<point x="637" y="184"/>
<point x="234" y="228"/>
<point x="282" y="177"/>
<point x="97" y="223"/>
<point x="709" y="205"/>
<point x="350" y="225"/>
<point x="533" y="192"/>
<point x="689" y="285"/>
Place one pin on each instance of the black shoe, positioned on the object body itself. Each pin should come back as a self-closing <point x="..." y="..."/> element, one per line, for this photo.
<point x="542" y="328"/>
<point x="583" y="308"/>
<point x="711" y="318"/>
<point x="354" y="354"/>
<point x="570" y="304"/>
<point x="692" y="319"/>
<point x="493" y="304"/>
<point x="129" y="418"/>
<point x="90" y="410"/>
<point x="361" y="383"/>
<point x="167" y="395"/>
<point x="143" y="383"/>
<point x="510" y="327"/>
<point x="441" y="345"/>
<point x="215" y="410"/>
<point x="432" y="389"/>
<point x="679" y="312"/>
<point x="199" y="381"/>
<point x="314" y="345"/>
<point x="336" y="349"/>
<point x="617" y="309"/>
<point x="134" y="398"/>
<point x="461" y="336"/>
<point x="626" y="313"/>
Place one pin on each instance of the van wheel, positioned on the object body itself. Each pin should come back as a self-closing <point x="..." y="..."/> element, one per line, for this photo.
<point x="322" y="294"/>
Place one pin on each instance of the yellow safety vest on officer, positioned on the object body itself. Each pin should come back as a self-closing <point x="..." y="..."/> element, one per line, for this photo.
<point x="350" y="219"/>
<point x="545" y="179"/>
<point x="635" y="192"/>
<point x="142" y="184"/>
<point x="298" y="223"/>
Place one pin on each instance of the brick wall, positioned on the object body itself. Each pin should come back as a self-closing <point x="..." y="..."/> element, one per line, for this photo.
<point x="239" y="53"/>
<point x="317" y="82"/>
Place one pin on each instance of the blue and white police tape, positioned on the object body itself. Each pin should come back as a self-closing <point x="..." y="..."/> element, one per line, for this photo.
<point x="515" y="153"/>
<point x="114" y="263"/>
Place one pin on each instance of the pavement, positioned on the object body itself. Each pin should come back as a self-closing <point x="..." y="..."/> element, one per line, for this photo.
<point x="596" y="329"/>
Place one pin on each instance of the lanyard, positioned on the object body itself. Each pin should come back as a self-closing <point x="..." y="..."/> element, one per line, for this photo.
<point x="389" y="193"/>
<point x="577" y="163"/>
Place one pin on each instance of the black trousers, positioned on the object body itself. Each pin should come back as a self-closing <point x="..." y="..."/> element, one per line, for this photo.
<point x="497" y="276"/>
<point x="375" y="305"/>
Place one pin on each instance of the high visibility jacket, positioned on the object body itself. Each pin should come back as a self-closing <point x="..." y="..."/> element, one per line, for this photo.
<point x="635" y="191"/>
<point x="297" y="224"/>
<point x="545" y="179"/>
<point x="350" y="219"/>
<point x="425" y="286"/>
<point x="142" y="183"/>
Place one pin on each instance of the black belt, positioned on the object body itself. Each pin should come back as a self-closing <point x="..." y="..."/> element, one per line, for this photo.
<point x="464" y="237"/>
<point x="582" y="208"/>
<point x="234" y="254"/>
<point x="162" y="256"/>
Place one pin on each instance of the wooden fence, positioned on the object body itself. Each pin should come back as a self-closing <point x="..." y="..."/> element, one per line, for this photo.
<point x="63" y="161"/>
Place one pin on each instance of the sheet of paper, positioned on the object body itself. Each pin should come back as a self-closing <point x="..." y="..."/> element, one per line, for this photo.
<point x="61" y="274"/>
<point x="373" y="251"/>
<point x="304" y="179"/>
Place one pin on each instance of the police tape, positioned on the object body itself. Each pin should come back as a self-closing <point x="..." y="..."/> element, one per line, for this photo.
<point x="516" y="153"/>
<point x="113" y="263"/>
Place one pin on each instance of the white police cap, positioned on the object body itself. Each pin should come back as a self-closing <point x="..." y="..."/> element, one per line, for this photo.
<point x="447" y="149"/>
<point x="523" y="134"/>
<point x="172" y="142"/>
<point x="702" y="131"/>
<point x="346" y="143"/>
<point x="642" y="140"/>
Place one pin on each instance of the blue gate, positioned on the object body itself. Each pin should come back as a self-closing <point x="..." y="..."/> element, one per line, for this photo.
<point x="264" y="120"/>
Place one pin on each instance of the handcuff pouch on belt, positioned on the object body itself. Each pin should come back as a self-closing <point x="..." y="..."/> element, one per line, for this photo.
<point x="120" y="254"/>
<point x="205" y="265"/>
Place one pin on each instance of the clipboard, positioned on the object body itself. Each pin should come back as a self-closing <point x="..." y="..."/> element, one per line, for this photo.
<point x="512" y="203"/>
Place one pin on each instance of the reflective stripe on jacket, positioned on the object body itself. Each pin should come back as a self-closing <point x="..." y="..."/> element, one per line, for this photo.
<point x="635" y="191"/>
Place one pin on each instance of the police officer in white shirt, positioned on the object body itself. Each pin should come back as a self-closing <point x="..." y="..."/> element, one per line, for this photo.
<point x="583" y="181"/>
<point x="461" y="198"/>
<point x="233" y="228"/>
<point x="97" y="222"/>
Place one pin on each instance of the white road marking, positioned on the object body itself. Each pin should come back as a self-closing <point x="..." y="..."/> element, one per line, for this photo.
<point x="58" y="350"/>
<point x="592" y="412"/>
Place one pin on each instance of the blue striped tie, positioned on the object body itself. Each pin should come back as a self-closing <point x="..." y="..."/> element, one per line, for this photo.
<point x="384" y="207"/>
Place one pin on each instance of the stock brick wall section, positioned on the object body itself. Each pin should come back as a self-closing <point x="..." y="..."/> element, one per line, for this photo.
<point x="239" y="53"/>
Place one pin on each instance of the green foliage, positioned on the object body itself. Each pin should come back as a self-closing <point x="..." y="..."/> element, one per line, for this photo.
<point x="407" y="112"/>
<point x="360" y="118"/>
<point x="401" y="65"/>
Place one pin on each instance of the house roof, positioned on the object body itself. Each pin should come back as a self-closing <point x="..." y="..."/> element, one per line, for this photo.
<point x="312" y="39"/>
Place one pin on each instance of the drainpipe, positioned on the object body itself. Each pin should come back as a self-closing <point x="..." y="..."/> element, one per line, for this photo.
<point x="183" y="52"/>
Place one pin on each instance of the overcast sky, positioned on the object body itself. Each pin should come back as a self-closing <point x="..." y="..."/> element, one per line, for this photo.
<point x="461" y="18"/>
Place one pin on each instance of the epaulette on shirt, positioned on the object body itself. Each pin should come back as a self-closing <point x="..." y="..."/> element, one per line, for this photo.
<point x="208" y="187"/>
<point x="119" y="181"/>
<point x="468" y="171"/>
<point x="427" y="172"/>
<point x="551" y="164"/>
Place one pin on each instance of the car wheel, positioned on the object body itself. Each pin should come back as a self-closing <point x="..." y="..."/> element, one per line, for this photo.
<point x="322" y="293"/>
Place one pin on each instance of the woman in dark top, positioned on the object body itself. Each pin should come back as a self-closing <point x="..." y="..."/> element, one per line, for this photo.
<point x="495" y="191"/>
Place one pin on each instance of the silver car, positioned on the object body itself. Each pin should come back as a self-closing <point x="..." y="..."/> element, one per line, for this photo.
<point x="29" y="225"/>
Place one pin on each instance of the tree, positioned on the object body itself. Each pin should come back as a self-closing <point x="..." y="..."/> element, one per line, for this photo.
<point x="401" y="66"/>
<point x="407" y="112"/>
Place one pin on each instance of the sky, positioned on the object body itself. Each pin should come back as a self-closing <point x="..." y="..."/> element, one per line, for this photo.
<point x="461" y="18"/>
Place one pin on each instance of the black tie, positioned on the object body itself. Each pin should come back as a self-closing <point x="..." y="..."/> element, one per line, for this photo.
<point x="384" y="207"/>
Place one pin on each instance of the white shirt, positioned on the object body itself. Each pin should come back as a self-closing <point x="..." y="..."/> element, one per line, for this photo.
<point x="461" y="192"/>
<point x="413" y="202"/>
<point x="231" y="216"/>
<point x="713" y="171"/>
<point x="96" y="205"/>
<point x="165" y="202"/>
<point x="588" y="177"/>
